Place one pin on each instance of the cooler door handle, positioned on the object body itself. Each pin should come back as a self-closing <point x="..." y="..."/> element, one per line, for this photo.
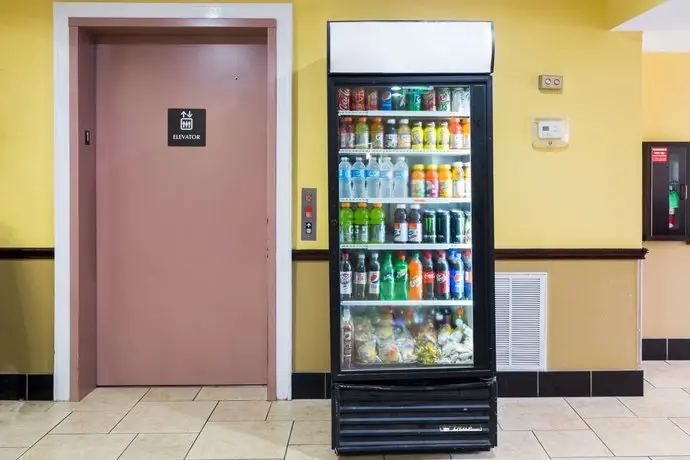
<point x="683" y="191"/>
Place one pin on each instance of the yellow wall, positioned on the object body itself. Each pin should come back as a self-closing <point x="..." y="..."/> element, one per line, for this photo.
<point x="666" y="109"/>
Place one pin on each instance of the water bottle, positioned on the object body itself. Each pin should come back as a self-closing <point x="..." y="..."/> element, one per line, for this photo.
<point x="372" y="175"/>
<point x="386" y="175"/>
<point x="344" y="178"/>
<point x="357" y="178"/>
<point x="401" y="176"/>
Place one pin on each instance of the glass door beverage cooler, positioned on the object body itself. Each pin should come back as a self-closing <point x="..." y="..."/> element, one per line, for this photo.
<point x="411" y="236"/>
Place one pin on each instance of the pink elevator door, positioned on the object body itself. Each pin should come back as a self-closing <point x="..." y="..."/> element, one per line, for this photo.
<point x="181" y="231"/>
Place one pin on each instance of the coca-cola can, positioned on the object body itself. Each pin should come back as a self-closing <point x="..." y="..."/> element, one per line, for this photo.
<point x="429" y="100"/>
<point x="344" y="99"/>
<point x="357" y="101"/>
<point x="372" y="99"/>
<point x="443" y="100"/>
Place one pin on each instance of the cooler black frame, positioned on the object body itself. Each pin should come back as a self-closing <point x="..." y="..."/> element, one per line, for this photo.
<point x="484" y="323"/>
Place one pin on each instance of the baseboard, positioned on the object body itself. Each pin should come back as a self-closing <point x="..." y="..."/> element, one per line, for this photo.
<point x="560" y="384"/>
<point x="665" y="349"/>
<point x="26" y="387"/>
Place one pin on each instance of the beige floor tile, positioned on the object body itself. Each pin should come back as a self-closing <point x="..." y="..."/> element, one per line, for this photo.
<point x="641" y="436"/>
<point x="512" y="445"/>
<point x="233" y="393"/>
<point x="110" y="399"/>
<point x="320" y="453"/>
<point x="683" y="423"/>
<point x="305" y="432"/>
<point x="236" y="411"/>
<point x="11" y="453"/>
<point x="170" y="417"/>
<point x="35" y="406"/>
<point x="89" y="422"/>
<point x="159" y="447"/>
<point x="538" y="414"/>
<point x="664" y="375"/>
<point x="572" y="443"/>
<point x="660" y="402"/>
<point x="241" y="440"/>
<point x="8" y="406"/>
<point x="667" y="458"/>
<point x="24" y="429"/>
<point x="79" y="447"/>
<point x="599" y="407"/>
<point x="303" y="409"/>
<point x="169" y="394"/>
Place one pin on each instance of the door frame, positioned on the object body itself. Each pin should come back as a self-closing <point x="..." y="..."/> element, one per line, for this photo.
<point x="197" y="15"/>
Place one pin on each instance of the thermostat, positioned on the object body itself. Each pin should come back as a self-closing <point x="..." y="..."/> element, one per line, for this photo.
<point x="550" y="132"/>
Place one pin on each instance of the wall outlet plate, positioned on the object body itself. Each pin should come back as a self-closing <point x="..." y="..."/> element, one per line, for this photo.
<point x="551" y="82"/>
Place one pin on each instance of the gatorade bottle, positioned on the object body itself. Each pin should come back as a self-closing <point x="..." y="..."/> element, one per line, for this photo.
<point x="387" y="278"/>
<point x="400" y="280"/>
<point x="377" y="224"/>
<point x="428" y="277"/>
<point x="414" y="270"/>
<point x="347" y="220"/>
<point x="361" y="227"/>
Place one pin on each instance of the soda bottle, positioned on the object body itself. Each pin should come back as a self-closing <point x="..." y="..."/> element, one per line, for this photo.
<point x="357" y="175"/>
<point x="377" y="224"/>
<point x="373" y="277"/>
<point x="442" y="281"/>
<point x="401" y="177"/>
<point x="361" y="227"/>
<point x="359" y="282"/>
<point x="345" y="277"/>
<point x="457" y="276"/>
<point x="346" y="336"/>
<point x="468" y="275"/>
<point x="346" y="132"/>
<point x="400" y="232"/>
<point x="372" y="174"/>
<point x="400" y="286"/>
<point x="414" y="224"/>
<point x="414" y="270"/>
<point x="387" y="278"/>
<point x="386" y="173"/>
<point x="344" y="178"/>
<point x="428" y="277"/>
<point x="347" y="219"/>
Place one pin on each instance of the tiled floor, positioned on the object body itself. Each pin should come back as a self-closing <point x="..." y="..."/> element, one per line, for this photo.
<point x="237" y="423"/>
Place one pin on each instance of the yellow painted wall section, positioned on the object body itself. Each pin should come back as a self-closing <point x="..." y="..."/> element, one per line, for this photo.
<point x="620" y="11"/>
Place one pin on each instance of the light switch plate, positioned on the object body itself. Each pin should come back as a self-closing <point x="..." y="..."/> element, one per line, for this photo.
<point x="550" y="82"/>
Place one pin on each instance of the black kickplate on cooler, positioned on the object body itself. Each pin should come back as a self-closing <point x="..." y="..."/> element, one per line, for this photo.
<point x="452" y="418"/>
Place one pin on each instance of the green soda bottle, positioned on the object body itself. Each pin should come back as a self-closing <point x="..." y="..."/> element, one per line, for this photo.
<point x="347" y="220"/>
<point x="400" y="270"/>
<point x="361" y="228"/>
<point x="377" y="224"/>
<point x="387" y="278"/>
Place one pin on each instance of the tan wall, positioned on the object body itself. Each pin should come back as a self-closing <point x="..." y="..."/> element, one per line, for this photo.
<point x="26" y="316"/>
<point x="592" y="313"/>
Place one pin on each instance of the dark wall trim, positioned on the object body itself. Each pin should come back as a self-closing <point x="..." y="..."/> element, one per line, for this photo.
<point x="662" y="349"/>
<point x="550" y="384"/>
<point x="517" y="254"/>
<point x="27" y="253"/>
<point x="26" y="387"/>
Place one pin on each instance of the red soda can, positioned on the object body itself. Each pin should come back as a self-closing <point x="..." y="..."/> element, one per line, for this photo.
<point x="372" y="99"/>
<point x="429" y="100"/>
<point x="358" y="99"/>
<point x="344" y="99"/>
<point x="444" y="99"/>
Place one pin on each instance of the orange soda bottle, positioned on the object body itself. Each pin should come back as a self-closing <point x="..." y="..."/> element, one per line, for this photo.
<point x="414" y="270"/>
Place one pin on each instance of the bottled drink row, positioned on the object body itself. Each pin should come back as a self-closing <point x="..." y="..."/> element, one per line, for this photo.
<point x="429" y="135"/>
<point x="388" y="180"/>
<point x="410" y="98"/>
<point x="425" y="278"/>
<point x="405" y="336"/>
<point x="365" y="226"/>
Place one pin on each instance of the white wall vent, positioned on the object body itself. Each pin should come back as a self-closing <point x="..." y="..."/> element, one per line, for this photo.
<point x="521" y="321"/>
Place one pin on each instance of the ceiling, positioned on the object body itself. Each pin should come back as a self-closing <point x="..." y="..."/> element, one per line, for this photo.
<point x="666" y="27"/>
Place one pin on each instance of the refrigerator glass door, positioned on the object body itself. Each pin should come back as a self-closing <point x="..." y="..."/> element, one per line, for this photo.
<point x="405" y="226"/>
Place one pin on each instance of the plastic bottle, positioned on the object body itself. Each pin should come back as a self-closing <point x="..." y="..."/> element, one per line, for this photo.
<point x="442" y="280"/>
<point x="430" y="136"/>
<point x="387" y="278"/>
<point x="359" y="278"/>
<point x="347" y="220"/>
<point x="400" y="278"/>
<point x="468" y="275"/>
<point x="347" y="134"/>
<point x="414" y="270"/>
<point x="431" y="181"/>
<point x="362" y="133"/>
<point x="347" y="338"/>
<point x="373" y="276"/>
<point x="455" y="130"/>
<point x="404" y="139"/>
<point x="357" y="175"/>
<point x="428" y="277"/>
<point x="457" y="276"/>
<point x="443" y="136"/>
<point x="458" y="175"/>
<point x="466" y="168"/>
<point x="417" y="136"/>
<point x="345" y="277"/>
<point x="361" y="227"/>
<point x="417" y="182"/>
<point x="345" y="178"/>
<point x="391" y="135"/>
<point x="377" y="224"/>
<point x="445" y="182"/>
<point x="372" y="174"/>
<point x="386" y="178"/>
<point x="414" y="224"/>
<point x="376" y="133"/>
<point x="401" y="177"/>
<point x="400" y="232"/>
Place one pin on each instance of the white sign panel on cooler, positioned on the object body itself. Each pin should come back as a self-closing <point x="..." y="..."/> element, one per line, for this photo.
<point x="411" y="47"/>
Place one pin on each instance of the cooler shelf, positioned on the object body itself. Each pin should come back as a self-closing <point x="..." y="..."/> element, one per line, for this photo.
<point x="403" y="114"/>
<point x="406" y="246"/>
<point x="406" y="200"/>
<point x="406" y="303"/>
<point x="405" y="152"/>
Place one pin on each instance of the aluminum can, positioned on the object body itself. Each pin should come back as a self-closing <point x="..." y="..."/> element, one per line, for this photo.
<point x="444" y="99"/>
<point x="429" y="227"/>
<point x="442" y="226"/>
<point x="372" y="99"/>
<point x="429" y="100"/>
<point x="457" y="226"/>
<point x="358" y="99"/>
<point x="343" y="98"/>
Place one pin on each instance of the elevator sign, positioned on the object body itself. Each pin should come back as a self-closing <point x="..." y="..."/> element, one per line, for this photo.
<point x="186" y="127"/>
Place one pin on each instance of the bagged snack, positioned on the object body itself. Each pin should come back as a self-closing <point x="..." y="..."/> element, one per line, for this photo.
<point x="426" y="351"/>
<point x="405" y="343"/>
<point x="366" y="353"/>
<point x="444" y="334"/>
<point x="389" y="352"/>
